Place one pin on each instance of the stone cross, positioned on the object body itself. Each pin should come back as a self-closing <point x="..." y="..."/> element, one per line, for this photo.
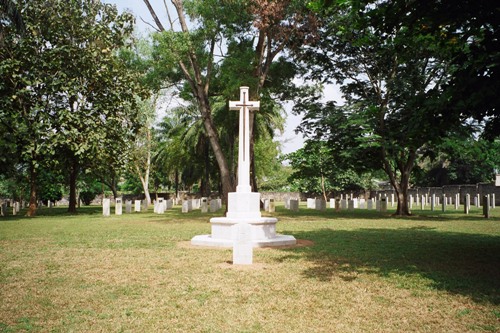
<point x="244" y="106"/>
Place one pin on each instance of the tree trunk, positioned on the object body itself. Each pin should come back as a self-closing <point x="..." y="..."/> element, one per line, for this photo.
<point x="323" y="189"/>
<point x="205" y="184"/>
<point x="33" y="188"/>
<point x="213" y="137"/>
<point x="73" y="174"/>
<point x="401" y="187"/>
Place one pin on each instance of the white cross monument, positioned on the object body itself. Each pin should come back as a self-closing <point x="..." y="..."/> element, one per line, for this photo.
<point x="243" y="223"/>
<point x="244" y="106"/>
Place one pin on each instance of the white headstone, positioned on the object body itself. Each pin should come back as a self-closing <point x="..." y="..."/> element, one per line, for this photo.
<point x="137" y="205"/>
<point x="383" y="205"/>
<point x="332" y="203"/>
<point x="128" y="206"/>
<point x="467" y="204"/>
<point x="320" y="204"/>
<point x="343" y="204"/>
<point x="497" y="180"/>
<point x="118" y="206"/>
<point x="204" y="205"/>
<point x="160" y="206"/>
<point x="266" y="205"/>
<point x="311" y="203"/>
<point x="185" y="206"/>
<point x="106" y="204"/>
<point x="362" y="203"/>
<point x="169" y="203"/>
<point x="272" y="206"/>
<point x="243" y="247"/>
<point x="196" y="203"/>
<point x="213" y="206"/>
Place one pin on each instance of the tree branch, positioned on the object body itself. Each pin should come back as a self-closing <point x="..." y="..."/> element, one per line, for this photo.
<point x="155" y="17"/>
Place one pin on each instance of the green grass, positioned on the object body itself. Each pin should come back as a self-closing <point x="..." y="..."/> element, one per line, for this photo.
<point x="364" y="272"/>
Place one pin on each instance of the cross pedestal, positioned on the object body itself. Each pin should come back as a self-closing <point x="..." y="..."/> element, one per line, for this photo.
<point x="243" y="205"/>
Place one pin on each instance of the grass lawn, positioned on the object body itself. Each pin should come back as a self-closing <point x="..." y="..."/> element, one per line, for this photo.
<point x="364" y="272"/>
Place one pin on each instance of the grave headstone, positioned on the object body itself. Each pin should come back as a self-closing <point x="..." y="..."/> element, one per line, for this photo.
<point x="243" y="247"/>
<point x="272" y="206"/>
<point x="145" y="205"/>
<point x="294" y="205"/>
<point x="467" y="204"/>
<point x="106" y="207"/>
<point x="377" y="205"/>
<point x="185" y="206"/>
<point x="383" y="205"/>
<point x="118" y="206"/>
<point x="433" y="201"/>
<point x="155" y="206"/>
<point x="169" y="204"/>
<point x="457" y="201"/>
<point x="486" y="206"/>
<point x="195" y="203"/>
<point x="362" y="203"/>
<point x="392" y="199"/>
<point x="343" y="204"/>
<point x="350" y="205"/>
<point x="137" y="206"/>
<point x="410" y="203"/>
<point x="160" y="209"/>
<point x="443" y="205"/>
<point x="493" y="201"/>
<point x="266" y="205"/>
<point x="332" y="203"/>
<point x="478" y="201"/>
<point x="204" y="205"/>
<point x="422" y="203"/>
<point x="128" y="206"/>
<point x="311" y="203"/>
<point x="370" y="204"/>
<point x="213" y="206"/>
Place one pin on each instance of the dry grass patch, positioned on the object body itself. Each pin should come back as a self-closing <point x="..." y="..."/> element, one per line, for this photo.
<point x="358" y="274"/>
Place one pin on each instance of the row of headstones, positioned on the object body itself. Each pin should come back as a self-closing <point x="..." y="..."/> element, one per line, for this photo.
<point x="15" y="207"/>
<point x="381" y="204"/>
<point x="436" y="200"/>
<point x="161" y="205"/>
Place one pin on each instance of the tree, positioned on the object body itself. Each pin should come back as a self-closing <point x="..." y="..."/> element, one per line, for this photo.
<point x="64" y="92"/>
<point x="393" y="80"/>
<point x="229" y="23"/>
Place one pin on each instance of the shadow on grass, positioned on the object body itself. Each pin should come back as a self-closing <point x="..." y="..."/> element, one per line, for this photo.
<point x="465" y="264"/>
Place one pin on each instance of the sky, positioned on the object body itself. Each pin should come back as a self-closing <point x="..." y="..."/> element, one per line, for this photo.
<point x="289" y="140"/>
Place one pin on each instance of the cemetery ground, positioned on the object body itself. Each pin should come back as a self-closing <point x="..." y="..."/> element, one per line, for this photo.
<point x="360" y="271"/>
